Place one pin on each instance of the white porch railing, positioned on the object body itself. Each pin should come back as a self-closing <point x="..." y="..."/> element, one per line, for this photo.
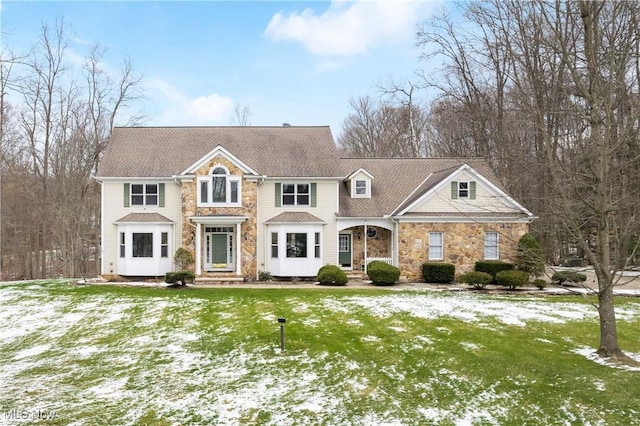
<point x="388" y="260"/>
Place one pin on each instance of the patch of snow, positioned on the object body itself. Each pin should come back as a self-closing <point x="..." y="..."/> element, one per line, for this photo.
<point x="592" y="355"/>
<point x="370" y="338"/>
<point x="32" y="351"/>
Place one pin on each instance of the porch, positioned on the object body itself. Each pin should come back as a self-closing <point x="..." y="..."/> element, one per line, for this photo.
<point x="361" y="243"/>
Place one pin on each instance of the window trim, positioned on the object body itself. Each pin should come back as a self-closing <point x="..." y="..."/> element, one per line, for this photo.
<point x="205" y="183"/>
<point x="136" y="248"/>
<point x="274" y="245"/>
<point x="487" y="246"/>
<point x="305" y="253"/>
<point x="145" y="195"/>
<point x="367" y="188"/>
<point x="296" y="194"/>
<point x="316" y="247"/>
<point x="432" y="245"/>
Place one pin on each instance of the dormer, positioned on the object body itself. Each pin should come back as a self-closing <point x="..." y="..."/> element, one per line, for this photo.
<point x="359" y="184"/>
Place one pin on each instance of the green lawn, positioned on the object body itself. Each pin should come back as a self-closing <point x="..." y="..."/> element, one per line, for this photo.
<point x="155" y="356"/>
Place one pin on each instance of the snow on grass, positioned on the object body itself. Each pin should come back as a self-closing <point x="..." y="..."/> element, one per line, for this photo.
<point x="509" y="311"/>
<point x="134" y="355"/>
<point x="592" y="355"/>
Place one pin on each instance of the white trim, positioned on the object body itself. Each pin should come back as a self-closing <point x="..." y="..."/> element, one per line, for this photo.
<point x="217" y="220"/>
<point x="345" y="223"/>
<point x="125" y="179"/>
<point x="441" y="245"/>
<point x="360" y="170"/>
<point x="212" y="154"/>
<point x="464" y="219"/>
<point x="451" y="177"/>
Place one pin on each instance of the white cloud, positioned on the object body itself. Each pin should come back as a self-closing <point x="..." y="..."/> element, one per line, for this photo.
<point x="173" y="107"/>
<point x="348" y="28"/>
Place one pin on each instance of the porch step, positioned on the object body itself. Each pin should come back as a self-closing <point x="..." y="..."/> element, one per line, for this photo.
<point x="217" y="280"/>
<point x="356" y="275"/>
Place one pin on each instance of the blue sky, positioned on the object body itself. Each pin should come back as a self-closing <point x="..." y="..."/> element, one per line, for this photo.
<point x="291" y="61"/>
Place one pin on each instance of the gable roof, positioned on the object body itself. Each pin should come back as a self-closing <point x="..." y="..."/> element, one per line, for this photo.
<point x="401" y="182"/>
<point x="295" y="151"/>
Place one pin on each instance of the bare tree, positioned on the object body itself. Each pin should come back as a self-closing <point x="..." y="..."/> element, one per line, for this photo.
<point x="384" y="129"/>
<point x="241" y="115"/>
<point x="64" y="116"/>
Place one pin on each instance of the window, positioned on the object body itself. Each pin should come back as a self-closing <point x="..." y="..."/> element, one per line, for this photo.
<point x="143" y="245"/>
<point x="164" y="244"/>
<point x="463" y="190"/>
<point x="317" y="245"/>
<point x="295" y="194"/>
<point x="274" y="245"/>
<point x="144" y="194"/>
<point x="491" y="245"/>
<point x="122" y="244"/>
<point x="296" y="245"/>
<point x="219" y="188"/>
<point x="436" y="250"/>
<point x="361" y="187"/>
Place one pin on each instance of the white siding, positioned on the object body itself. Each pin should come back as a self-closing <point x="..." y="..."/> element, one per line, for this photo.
<point x="487" y="200"/>
<point x="113" y="209"/>
<point x="326" y="209"/>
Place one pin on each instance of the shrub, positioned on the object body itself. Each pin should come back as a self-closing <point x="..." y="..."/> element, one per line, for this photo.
<point x="476" y="279"/>
<point x="438" y="272"/>
<point x="381" y="273"/>
<point x="183" y="258"/>
<point x="529" y="256"/>
<point x="512" y="278"/>
<point x="264" y="276"/>
<point x="332" y="275"/>
<point x="492" y="267"/>
<point x="540" y="283"/>
<point x="179" y="277"/>
<point x="561" y="277"/>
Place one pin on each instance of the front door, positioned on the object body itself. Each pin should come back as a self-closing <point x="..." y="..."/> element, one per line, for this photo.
<point x="218" y="249"/>
<point x="344" y="250"/>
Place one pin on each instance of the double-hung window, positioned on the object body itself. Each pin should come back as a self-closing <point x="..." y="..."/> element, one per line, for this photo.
<point x="295" y="194"/>
<point x="491" y="246"/>
<point x="219" y="188"/>
<point x="463" y="190"/>
<point x="144" y="194"/>
<point x="436" y="248"/>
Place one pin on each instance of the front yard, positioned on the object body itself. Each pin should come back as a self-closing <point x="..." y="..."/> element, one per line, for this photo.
<point x="114" y="355"/>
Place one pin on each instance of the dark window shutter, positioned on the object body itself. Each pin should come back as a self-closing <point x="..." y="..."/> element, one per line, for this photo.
<point x="313" y="195"/>
<point x="454" y="190"/>
<point x="127" y="194"/>
<point x="472" y="190"/>
<point x="278" y="194"/>
<point x="161" y="195"/>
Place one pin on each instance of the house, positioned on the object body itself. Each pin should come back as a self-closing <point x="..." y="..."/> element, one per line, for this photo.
<point x="280" y="199"/>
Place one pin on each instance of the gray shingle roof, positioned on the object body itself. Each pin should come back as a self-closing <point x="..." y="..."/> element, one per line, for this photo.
<point x="396" y="180"/>
<point x="295" y="217"/>
<point x="144" y="218"/>
<point x="271" y="151"/>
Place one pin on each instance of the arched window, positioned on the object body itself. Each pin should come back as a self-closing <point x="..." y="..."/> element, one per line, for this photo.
<point x="219" y="185"/>
<point x="219" y="188"/>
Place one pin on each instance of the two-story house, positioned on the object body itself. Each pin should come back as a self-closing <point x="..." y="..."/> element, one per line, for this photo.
<point x="280" y="199"/>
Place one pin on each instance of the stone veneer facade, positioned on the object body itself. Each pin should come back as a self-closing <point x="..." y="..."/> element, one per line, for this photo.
<point x="463" y="244"/>
<point x="378" y="246"/>
<point x="249" y="208"/>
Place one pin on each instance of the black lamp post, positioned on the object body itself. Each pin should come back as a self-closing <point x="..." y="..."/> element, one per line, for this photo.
<point x="282" y="321"/>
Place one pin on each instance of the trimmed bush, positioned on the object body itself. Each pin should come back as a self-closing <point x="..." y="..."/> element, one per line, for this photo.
<point x="438" y="272"/>
<point x="540" y="283"/>
<point x="179" y="277"/>
<point x="381" y="273"/>
<point x="183" y="258"/>
<point x="529" y="256"/>
<point x="476" y="279"/>
<point x="512" y="278"/>
<point x="264" y="276"/>
<point x="561" y="277"/>
<point x="492" y="267"/>
<point x="332" y="275"/>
